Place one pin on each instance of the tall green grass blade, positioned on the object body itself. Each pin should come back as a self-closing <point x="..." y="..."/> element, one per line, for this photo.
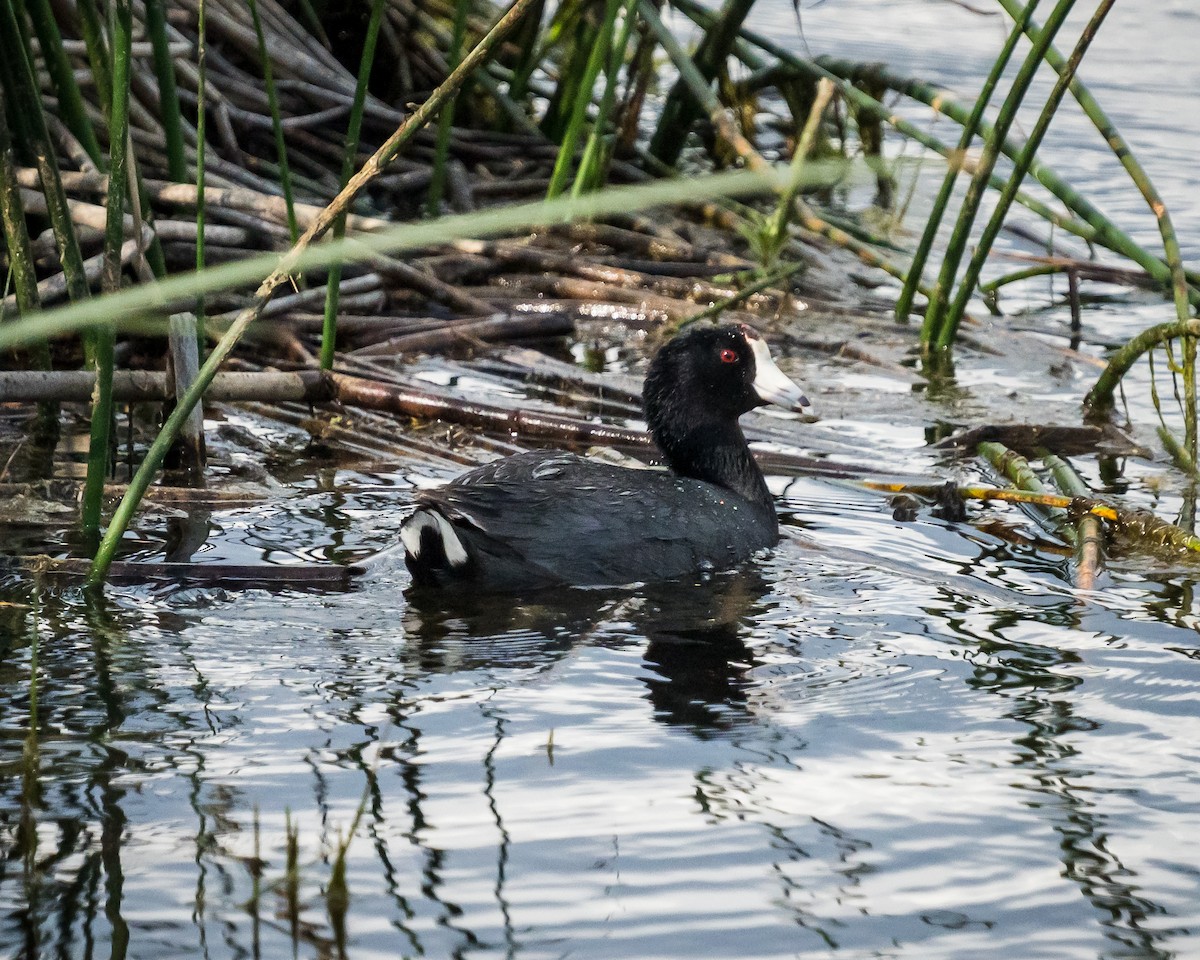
<point x="121" y="34"/>
<point x="916" y="269"/>
<point x="594" y="162"/>
<point x="168" y="99"/>
<point x="583" y="99"/>
<point x="333" y="284"/>
<point x="285" y="175"/>
<point x="441" y="155"/>
<point x="991" y="230"/>
<point x="934" y="328"/>
<point x="70" y="100"/>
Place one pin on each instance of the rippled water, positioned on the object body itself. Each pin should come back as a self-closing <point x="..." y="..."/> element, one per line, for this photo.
<point x="886" y="740"/>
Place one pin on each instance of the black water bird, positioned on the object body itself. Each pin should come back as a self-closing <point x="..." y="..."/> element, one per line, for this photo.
<point x="543" y="519"/>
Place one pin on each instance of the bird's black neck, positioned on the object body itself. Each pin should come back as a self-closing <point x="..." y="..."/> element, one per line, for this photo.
<point x="718" y="454"/>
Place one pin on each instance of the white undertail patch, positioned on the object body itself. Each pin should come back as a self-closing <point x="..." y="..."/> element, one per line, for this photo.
<point x="422" y="520"/>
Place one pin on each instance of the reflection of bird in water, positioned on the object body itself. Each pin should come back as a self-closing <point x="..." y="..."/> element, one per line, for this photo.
<point x="697" y="648"/>
<point x="694" y="632"/>
<point x="550" y="518"/>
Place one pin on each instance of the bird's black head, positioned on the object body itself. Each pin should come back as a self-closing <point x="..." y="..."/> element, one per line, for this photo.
<point x="713" y="374"/>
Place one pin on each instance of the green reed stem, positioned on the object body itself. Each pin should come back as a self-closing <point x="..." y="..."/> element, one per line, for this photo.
<point x="592" y="164"/>
<point x="441" y="153"/>
<point x="1091" y="226"/>
<point x="526" y="41"/>
<point x="201" y="154"/>
<point x="285" y="175"/>
<point x="16" y="231"/>
<point x="62" y="76"/>
<point x="991" y="230"/>
<point x="583" y="99"/>
<point x="121" y="33"/>
<point x="21" y="266"/>
<point x="784" y="211"/>
<point x="1176" y="450"/>
<point x="91" y="25"/>
<point x="333" y="284"/>
<point x="1137" y="172"/>
<point x="24" y="101"/>
<point x="168" y="99"/>
<point x="916" y="269"/>
<point x="681" y="108"/>
<point x="933" y="330"/>
<point x="1183" y="294"/>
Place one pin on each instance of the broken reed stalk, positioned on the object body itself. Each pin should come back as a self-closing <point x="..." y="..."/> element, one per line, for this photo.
<point x="935" y="325"/>
<point x="333" y="285"/>
<point x="1010" y="464"/>
<point x="983" y="245"/>
<point x="1089" y="532"/>
<point x="1099" y="399"/>
<point x="1139" y="525"/>
<point x="954" y="164"/>
<point x="372" y="168"/>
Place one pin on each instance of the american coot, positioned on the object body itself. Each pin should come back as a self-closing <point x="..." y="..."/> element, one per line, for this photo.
<point x="545" y="519"/>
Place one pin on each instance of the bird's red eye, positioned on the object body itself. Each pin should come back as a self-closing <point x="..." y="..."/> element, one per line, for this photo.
<point x="729" y="356"/>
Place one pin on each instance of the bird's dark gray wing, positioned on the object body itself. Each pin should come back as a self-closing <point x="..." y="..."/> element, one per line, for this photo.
<point x="564" y="519"/>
